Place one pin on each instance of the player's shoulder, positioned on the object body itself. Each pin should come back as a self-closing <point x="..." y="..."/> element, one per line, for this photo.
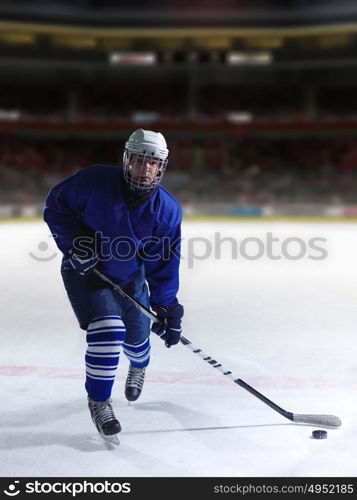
<point x="100" y="171"/>
<point x="98" y="177"/>
<point x="168" y="197"/>
<point x="170" y="208"/>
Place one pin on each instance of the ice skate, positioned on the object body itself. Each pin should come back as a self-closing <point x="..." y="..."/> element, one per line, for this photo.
<point x="104" y="419"/>
<point x="134" y="383"/>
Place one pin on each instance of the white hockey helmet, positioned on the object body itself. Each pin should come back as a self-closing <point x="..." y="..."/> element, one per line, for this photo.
<point x="143" y="149"/>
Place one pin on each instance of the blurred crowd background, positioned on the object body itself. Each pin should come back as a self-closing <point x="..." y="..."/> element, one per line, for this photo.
<point x="257" y="100"/>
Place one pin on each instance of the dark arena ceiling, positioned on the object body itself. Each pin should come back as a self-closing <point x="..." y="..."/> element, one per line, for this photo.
<point x="77" y="37"/>
<point x="183" y="13"/>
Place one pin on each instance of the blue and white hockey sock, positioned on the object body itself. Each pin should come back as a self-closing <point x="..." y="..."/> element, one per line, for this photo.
<point x="105" y="335"/>
<point x="138" y="354"/>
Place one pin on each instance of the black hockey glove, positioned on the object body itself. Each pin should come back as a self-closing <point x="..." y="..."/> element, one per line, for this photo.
<point x="83" y="265"/>
<point x="170" y="330"/>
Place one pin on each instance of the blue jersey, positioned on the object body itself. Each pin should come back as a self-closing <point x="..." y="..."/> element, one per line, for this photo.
<point x="148" y="235"/>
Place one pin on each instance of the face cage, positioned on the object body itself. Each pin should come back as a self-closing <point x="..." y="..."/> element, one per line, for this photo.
<point x="134" y="184"/>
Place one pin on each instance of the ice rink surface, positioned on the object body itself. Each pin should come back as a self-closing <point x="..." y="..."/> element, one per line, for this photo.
<point x="287" y="327"/>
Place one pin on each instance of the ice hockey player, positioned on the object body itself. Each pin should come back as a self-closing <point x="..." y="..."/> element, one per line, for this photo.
<point x="121" y="221"/>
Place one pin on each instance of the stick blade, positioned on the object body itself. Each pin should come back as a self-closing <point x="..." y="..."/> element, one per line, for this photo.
<point x="327" y="420"/>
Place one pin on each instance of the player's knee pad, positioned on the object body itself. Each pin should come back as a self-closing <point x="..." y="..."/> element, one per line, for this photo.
<point x="106" y="329"/>
<point x="105" y="336"/>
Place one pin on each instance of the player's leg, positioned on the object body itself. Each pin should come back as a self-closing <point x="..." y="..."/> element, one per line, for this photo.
<point x="98" y="312"/>
<point x="136" y="346"/>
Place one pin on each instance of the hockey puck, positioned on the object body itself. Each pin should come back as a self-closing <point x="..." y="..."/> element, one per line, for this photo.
<point x="319" y="434"/>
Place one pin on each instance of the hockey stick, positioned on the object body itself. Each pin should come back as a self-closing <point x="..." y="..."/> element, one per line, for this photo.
<point x="324" y="420"/>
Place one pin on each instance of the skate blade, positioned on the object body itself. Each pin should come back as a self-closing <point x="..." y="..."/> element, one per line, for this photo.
<point x="111" y="439"/>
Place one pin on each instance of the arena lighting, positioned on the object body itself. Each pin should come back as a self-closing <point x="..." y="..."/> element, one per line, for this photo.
<point x="9" y="115"/>
<point x="252" y="58"/>
<point x="134" y="58"/>
<point x="145" y="117"/>
<point x="239" y="117"/>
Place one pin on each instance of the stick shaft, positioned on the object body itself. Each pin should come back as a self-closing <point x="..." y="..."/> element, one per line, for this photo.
<point x="237" y="380"/>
